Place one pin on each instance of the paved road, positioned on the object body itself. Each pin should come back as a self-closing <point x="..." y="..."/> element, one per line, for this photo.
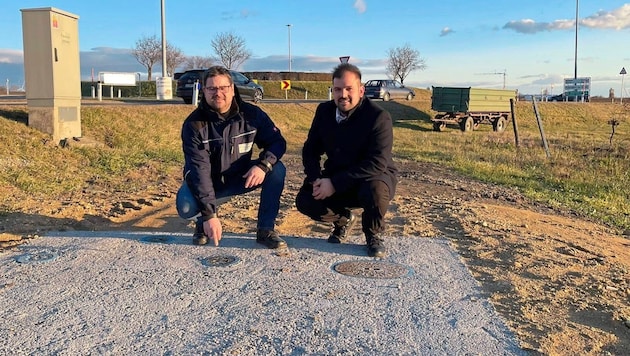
<point x="21" y="100"/>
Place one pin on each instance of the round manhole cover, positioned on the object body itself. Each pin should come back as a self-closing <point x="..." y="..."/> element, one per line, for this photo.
<point x="220" y="261"/>
<point x="41" y="256"/>
<point x="157" y="239"/>
<point x="372" y="269"/>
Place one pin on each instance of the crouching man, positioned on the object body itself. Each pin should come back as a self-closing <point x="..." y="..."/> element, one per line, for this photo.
<point x="217" y="139"/>
<point x="356" y="137"/>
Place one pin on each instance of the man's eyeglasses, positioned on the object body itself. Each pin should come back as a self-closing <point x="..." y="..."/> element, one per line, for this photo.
<point x="222" y="88"/>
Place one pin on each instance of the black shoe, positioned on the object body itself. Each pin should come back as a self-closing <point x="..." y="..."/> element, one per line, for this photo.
<point x="270" y="238"/>
<point x="200" y="238"/>
<point x="340" y="232"/>
<point x="376" y="246"/>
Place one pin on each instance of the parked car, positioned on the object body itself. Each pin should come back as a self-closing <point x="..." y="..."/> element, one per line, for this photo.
<point x="387" y="89"/>
<point x="246" y="87"/>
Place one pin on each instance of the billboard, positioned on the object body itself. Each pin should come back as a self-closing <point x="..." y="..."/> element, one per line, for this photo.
<point x="116" y="78"/>
<point x="577" y="87"/>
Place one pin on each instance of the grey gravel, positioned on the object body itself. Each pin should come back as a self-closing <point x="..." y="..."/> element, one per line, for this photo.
<point x="123" y="293"/>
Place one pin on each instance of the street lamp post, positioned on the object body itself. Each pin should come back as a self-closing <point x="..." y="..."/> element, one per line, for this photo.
<point x="164" y="74"/>
<point x="576" y="38"/>
<point x="289" y="27"/>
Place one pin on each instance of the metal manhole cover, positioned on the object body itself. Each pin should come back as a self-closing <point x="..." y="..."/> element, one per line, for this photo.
<point x="41" y="256"/>
<point x="157" y="239"/>
<point x="372" y="269"/>
<point x="220" y="261"/>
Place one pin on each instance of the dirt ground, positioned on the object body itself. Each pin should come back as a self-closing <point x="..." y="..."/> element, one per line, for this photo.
<point x="561" y="283"/>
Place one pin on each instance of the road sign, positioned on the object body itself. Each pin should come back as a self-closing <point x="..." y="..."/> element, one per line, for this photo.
<point x="285" y="85"/>
<point x="578" y="88"/>
<point x="623" y="74"/>
<point x="344" y="59"/>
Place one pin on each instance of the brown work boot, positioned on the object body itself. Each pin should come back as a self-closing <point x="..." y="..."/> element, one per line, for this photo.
<point x="340" y="230"/>
<point x="270" y="238"/>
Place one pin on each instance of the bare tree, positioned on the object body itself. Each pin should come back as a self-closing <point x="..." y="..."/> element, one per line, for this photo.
<point x="230" y="50"/>
<point x="174" y="57"/>
<point x="403" y="60"/>
<point x="148" y="52"/>
<point x="197" y="62"/>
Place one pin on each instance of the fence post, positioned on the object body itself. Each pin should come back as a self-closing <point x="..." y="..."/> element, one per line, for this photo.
<point x="514" y="125"/>
<point x="540" y="127"/>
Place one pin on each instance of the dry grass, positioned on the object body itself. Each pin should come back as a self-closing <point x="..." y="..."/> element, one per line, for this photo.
<point x="586" y="172"/>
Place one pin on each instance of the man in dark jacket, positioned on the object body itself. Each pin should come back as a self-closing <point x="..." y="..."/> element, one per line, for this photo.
<point x="217" y="139"/>
<point x="356" y="136"/>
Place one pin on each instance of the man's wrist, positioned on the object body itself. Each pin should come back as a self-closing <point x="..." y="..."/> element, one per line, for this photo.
<point x="210" y="216"/>
<point x="265" y="165"/>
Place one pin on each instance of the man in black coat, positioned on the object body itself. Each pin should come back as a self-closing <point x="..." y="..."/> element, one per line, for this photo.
<point x="356" y="137"/>
<point x="217" y="139"/>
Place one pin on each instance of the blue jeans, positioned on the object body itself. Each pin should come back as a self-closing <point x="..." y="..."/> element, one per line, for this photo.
<point x="272" y="187"/>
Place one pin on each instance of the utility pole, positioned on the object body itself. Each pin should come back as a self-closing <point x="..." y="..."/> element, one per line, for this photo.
<point x="289" y="27"/>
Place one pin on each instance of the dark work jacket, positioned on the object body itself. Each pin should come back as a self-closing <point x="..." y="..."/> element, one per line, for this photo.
<point x="218" y="150"/>
<point x="357" y="149"/>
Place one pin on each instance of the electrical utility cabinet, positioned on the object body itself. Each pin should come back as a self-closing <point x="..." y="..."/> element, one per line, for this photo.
<point x="52" y="71"/>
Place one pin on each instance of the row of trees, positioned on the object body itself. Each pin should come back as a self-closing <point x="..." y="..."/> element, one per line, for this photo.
<point x="230" y="50"/>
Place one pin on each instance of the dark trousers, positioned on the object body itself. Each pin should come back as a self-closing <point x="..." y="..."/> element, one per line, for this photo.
<point x="272" y="187"/>
<point x="372" y="196"/>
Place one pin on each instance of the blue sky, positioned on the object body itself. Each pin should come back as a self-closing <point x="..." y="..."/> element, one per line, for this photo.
<point x="465" y="43"/>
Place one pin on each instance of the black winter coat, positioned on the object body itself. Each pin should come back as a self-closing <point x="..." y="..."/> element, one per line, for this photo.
<point x="357" y="149"/>
<point x="217" y="150"/>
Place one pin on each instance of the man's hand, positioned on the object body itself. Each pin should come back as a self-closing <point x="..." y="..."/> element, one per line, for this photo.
<point x="213" y="229"/>
<point x="322" y="188"/>
<point x="254" y="177"/>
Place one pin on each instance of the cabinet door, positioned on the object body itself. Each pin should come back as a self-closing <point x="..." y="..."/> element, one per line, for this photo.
<point x="65" y="56"/>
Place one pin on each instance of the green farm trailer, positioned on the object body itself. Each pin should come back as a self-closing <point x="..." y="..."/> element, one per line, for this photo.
<point x="469" y="107"/>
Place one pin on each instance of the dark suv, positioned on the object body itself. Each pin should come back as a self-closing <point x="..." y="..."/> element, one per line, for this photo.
<point x="246" y="87"/>
<point x="563" y="97"/>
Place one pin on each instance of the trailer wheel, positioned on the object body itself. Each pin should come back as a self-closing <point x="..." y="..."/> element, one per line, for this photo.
<point x="467" y="124"/>
<point x="439" y="126"/>
<point x="499" y="124"/>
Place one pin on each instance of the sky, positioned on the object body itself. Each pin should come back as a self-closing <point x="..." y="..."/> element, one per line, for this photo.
<point x="528" y="45"/>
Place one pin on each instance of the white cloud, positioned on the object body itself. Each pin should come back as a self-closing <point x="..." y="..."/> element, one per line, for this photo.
<point x="108" y="59"/>
<point x="617" y="19"/>
<point x="11" y="56"/>
<point x="446" y="31"/>
<point x="360" y="5"/>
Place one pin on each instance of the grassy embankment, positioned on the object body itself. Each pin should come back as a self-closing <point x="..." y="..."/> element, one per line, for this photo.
<point x="586" y="171"/>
